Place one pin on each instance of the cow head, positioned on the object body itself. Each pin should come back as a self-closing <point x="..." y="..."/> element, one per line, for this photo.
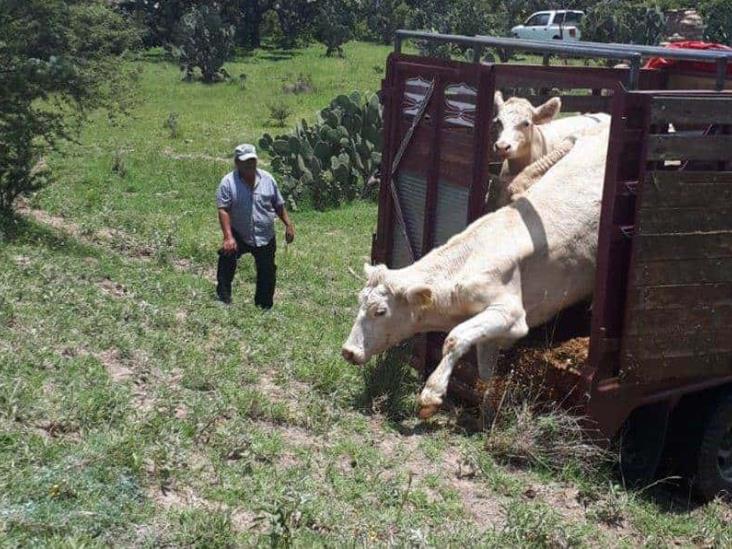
<point x="517" y="117"/>
<point x="388" y="313"/>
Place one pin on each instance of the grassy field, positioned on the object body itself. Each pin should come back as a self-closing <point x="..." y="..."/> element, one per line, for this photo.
<point x="137" y="411"/>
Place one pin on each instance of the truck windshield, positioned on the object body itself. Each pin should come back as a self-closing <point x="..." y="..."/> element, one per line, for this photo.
<point x="538" y="20"/>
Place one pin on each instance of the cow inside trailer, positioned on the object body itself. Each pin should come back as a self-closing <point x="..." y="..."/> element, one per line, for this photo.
<point x="661" y="315"/>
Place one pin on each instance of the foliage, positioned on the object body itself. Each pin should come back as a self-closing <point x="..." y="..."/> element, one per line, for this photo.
<point x="327" y="163"/>
<point x="382" y="18"/>
<point x="303" y="84"/>
<point x="336" y="19"/>
<point x="171" y="124"/>
<point x="296" y="18"/>
<point x="280" y="112"/>
<point x="623" y="21"/>
<point x="59" y="61"/>
<point x="203" y="40"/>
<point x="718" y="19"/>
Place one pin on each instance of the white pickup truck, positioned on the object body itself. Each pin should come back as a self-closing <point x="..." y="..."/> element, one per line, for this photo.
<point x="550" y="25"/>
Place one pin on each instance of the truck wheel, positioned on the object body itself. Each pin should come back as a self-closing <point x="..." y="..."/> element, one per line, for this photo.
<point x="714" y="462"/>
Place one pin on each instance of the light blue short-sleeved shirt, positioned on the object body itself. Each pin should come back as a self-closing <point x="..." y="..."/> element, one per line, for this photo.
<point x="252" y="210"/>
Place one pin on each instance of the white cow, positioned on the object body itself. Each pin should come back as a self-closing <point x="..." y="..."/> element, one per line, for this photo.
<point x="528" y="133"/>
<point x="541" y="259"/>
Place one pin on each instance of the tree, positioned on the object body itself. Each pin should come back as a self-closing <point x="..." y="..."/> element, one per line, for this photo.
<point x="336" y="19"/>
<point x="296" y="19"/>
<point x="203" y="40"/>
<point x="718" y="18"/>
<point x="382" y="18"/>
<point x="624" y="21"/>
<point x="251" y="15"/>
<point x="59" y="60"/>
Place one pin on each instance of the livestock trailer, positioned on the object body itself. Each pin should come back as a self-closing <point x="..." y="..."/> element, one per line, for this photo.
<point x="660" y="344"/>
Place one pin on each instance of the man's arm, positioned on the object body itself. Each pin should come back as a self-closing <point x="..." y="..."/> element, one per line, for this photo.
<point x="225" y="222"/>
<point x="289" y="227"/>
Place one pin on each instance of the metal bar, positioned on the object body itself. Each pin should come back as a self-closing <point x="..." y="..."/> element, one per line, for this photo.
<point x="580" y="49"/>
<point x="395" y="166"/>
<point x="634" y="75"/>
<point x="477" y="52"/>
<point x="721" y="73"/>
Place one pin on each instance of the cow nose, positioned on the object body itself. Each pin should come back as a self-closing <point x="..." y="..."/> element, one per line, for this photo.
<point x="503" y="147"/>
<point x="350" y="355"/>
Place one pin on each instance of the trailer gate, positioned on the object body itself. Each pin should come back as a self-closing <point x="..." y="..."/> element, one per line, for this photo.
<point x="662" y="318"/>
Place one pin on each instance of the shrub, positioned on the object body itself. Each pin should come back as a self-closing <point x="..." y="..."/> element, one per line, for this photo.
<point x="718" y="19"/>
<point x="335" y="26"/>
<point x="623" y="21"/>
<point x="53" y="74"/>
<point x="203" y="40"/>
<point x="303" y="84"/>
<point x="279" y="112"/>
<point x="171" y="124"/>
<point x="327" y="164"/>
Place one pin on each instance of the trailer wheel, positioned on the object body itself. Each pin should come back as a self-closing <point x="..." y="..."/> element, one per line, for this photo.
<point x="714" y="462"/>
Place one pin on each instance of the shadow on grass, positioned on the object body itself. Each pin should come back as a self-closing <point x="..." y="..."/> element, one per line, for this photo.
<point x="16" y="229"/>
<point x="389" y="385"/>
<point x="271" y="52"/>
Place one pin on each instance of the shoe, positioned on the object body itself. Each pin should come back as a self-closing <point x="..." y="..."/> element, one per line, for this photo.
<point x="224" y="298"/>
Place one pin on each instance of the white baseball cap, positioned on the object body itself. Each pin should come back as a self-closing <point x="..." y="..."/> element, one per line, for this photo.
<point x="245" y="151"/>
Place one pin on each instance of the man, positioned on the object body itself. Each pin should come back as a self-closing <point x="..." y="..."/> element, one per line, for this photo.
<point x="248" y="199"/>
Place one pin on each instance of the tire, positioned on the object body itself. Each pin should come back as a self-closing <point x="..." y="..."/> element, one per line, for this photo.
<point x="714" y="460"/>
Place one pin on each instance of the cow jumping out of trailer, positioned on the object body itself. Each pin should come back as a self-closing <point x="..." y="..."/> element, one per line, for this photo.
<point x="529" y="133"/>
<point x="541" y="259"/>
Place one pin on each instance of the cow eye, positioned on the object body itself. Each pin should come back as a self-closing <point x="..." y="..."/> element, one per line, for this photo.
<point x="525" y="123"/>
<point x="379" y="312"/>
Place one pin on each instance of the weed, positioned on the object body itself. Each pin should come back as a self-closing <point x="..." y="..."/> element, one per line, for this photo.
<point x="279" y="113"/>
<point x="545" y="436"/>
<point x="390" y="385"/>
<point x="172" y="125"/>
<point x="118" y="164"/>
<point x="303" y="84"/>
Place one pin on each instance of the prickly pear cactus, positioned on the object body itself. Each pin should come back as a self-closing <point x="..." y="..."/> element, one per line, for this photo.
<point x="328" y="163"/>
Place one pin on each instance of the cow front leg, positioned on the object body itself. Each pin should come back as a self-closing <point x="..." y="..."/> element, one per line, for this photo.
<point x="504" y="323"/>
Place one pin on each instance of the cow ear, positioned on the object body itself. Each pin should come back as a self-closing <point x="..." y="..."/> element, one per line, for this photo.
<point x="374" y="273"/>
<point x="546" y="112"/>
<point x="419" y="295"/>
<point x="498" y="100"/>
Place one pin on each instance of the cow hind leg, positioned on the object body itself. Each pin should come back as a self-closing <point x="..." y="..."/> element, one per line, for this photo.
<point x="493" y="324"/>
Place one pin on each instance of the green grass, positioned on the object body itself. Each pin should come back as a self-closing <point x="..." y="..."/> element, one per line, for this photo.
<point x="136" y="411"/>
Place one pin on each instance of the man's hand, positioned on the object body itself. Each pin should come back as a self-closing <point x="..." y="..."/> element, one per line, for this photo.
<point x="289" y="233"/>
<point x="230" y="246"/>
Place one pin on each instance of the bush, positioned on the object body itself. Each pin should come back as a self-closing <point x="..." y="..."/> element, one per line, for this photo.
<point x="335" y="26"/>
<point x="623" y="21"/>
<point x="53" y="74"/>
<point x="171" y="124"/>
<point x="718" y="19"/>
<point x="303" y="84"/>
<point x="203" y="40"/>
<point x="328" y="163"/>
<point x="382" y="18"/>
<point x="280" y="112"/>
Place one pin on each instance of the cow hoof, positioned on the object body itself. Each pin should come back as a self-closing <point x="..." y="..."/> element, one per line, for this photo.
<point x="426" y="412"/>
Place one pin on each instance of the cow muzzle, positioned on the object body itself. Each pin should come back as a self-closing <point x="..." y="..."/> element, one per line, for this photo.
<point x="353" y="356"/>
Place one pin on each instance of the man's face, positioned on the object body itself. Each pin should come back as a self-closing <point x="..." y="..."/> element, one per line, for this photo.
<point x="247" y="167"/>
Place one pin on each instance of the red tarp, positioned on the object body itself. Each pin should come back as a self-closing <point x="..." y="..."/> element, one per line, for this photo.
<point x="689" y="66"/>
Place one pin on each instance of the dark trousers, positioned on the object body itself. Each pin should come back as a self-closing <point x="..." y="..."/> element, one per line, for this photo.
<point x="264" y="260"/>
